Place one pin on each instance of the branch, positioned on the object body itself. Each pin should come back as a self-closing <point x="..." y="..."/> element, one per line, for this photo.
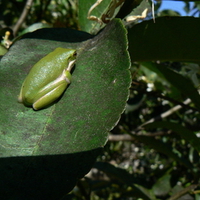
<point x="128" y="137"/>
<point x="182" y="192"/>
<point x="23" y="16"/>
<point x="165" y="114"/>
<point x="122" y="137"/>
<point x="157" y="94"/>
<point x="171" y="100"/>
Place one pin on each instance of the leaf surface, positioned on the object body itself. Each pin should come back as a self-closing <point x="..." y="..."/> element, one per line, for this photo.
<point x="73" y="131"/>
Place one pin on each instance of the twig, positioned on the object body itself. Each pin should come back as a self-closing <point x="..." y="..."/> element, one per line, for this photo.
<point x="23" y="16"/>
<point x="182" y="192"/>
<point x="157" y="94"/>
<point x="165" y="114"/>
<point x="128" y="137"/>
<point x="123" y="137"/>
<point x="172" y="100"/>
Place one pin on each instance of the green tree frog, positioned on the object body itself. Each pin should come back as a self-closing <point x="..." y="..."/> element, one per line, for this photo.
<point x="48" y="79"/>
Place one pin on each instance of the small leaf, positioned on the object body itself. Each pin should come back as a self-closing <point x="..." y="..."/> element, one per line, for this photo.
<point x="35" y="27"/>
<point x="162" y="187"/>
<point x="3" y="50"/>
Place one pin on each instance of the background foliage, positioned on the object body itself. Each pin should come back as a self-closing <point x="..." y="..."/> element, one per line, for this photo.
<point x="153" y="152"/>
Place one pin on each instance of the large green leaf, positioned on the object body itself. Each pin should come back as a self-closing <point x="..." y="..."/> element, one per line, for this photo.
<point x="169" y="38"/>
<point x="72" y="131"/>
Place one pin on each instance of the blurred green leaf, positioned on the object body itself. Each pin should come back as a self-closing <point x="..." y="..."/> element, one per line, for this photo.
<point x="35" y="27"/>
<point x="180" y="82"/>
<point x="185" y="133"/>
<point x="129" y="5"/>
<point x="187" y="7"/>
<point x="162" y="187"/>
<point x="121" y="175"/>
<point x="168" y="13"/>
<point x="169" y="38"/>
<point x="162" y="147"/>
<point x="3" y="50"/>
